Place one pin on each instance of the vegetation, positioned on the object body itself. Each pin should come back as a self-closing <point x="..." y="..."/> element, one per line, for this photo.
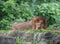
<point x="22" y="10"/>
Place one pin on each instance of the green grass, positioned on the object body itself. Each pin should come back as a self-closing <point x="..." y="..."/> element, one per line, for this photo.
<point x="3" y="31"/>
<point x="19" y="40"/>
<point x="42" y="31"/>
<point x="34" y="31"/>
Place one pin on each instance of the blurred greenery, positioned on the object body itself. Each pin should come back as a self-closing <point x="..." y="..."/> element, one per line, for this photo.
<point x="23" y="10"/>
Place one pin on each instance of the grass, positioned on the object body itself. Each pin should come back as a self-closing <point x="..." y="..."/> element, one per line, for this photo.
<point x="3" y="31"/>
<point x="42" y="31"/>
<point x="19" y="40"/>
<point x="34" y="31"/>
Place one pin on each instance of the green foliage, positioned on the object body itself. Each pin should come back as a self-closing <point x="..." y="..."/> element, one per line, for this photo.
<point x="22" y="10"/>
<point x="19" y="40"/>
<point x="49" y="10"/>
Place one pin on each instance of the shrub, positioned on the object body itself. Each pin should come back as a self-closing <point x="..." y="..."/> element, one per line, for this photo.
<point x="22" y="10"/>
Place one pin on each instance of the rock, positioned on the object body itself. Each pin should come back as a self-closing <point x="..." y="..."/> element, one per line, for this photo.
<point x="28" y="37"/>
<point x="37" y="37"/>
<point x="56" y="39"/>
<point x="41" y="38"/>
<point x="50" y="38"/>
<point x="47" y="38"/>
<point x="26" y="43"/>
<point x="48" y="35"/>
<point x="7" y="40"/>
<point x="15" y="33"/>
